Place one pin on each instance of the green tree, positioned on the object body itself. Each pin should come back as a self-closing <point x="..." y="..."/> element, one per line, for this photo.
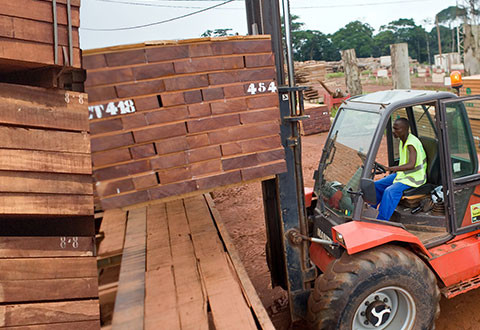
<point x="355" y="35"/>
<point x="445" y="37"/>
<point x="314" y="45"/>
<point x="405" y="30"/>
<point x="217" y="33"/>
<point x="382" y="42"/>
<point x="449" y="16"/>
<point x="310" y="44"/>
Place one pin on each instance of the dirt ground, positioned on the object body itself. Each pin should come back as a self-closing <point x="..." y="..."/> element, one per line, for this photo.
<point x="242" y="211"/>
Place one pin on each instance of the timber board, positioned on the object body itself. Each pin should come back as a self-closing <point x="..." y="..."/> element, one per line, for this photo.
<point x="188" y="267"/>
<point x="113" y="229"/>
<point x="32" y="247"/>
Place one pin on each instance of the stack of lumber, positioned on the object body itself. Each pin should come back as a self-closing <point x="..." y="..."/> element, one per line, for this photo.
<point x="319" y="120"/>
<point x="183" y="117"/>
<point x="179" y="270"/>
<point x="48" y="283"/>
<point x="45" y="162"/>
<point x="27" y="33"/>
<point x="309" y="74"/>
<point x="471" y="86"/>
<point x="48" y="273"/>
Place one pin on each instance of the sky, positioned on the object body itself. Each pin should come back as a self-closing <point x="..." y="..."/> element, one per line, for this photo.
<point x="325" y="16"/>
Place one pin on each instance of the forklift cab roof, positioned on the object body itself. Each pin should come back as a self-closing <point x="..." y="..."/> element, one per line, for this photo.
<point x="394" y="98"/>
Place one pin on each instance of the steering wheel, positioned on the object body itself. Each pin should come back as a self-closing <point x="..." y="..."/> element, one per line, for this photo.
<point x="379" y="168"/>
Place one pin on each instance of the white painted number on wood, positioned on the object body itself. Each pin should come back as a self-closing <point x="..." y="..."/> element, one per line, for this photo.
<point x="66" y="241"/>
<point x="111" y="109"/>
<point x="262" y="88"/>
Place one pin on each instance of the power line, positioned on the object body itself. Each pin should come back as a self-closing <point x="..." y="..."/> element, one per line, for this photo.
<point x="161" y="22"/>
<point x="202" y="9"/>
<point x="162" y="5"/>
<point x="360" y="4"/>
<point x="304" y="7"/>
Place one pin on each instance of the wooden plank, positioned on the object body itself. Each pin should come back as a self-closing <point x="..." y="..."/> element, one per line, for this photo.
<point x="28" y="51"/>
<point x="45" y="140"/>
<point x="129" y="304"/>
<point x="46" y="204"/>
<point x="247" y="286"/>
<point x="191" y="296"/>
<point x="42" y="10"/>
<point x="161" y="283"/>
<point x="108" y="275"/>
<point x="31" y="247"/>
<point x="53" y="312"/>
<point x="229" y="307"/>
<point x="47" y="183"/>
<point x="159" y="279"/>
<point x="158" y="238"/>
<point x="113" y="228"/>
<point x="26" y="29"/>
<point x="45" y="161"/>
<point x="52" y="289"/>
<point x="39" y="107"/>
<point x="81" y="325"/>
<point x="106" y="296"/>
<point x="47" y="268"/>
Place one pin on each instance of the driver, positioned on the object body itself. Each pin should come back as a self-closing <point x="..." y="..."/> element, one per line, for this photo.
<point x="411" y="171"/>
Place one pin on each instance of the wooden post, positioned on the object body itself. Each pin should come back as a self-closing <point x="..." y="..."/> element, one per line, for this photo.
<point x="352" y="73"/>
<point x="400" y="67"/>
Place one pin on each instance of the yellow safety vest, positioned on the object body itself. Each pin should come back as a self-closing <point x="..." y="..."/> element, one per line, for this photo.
<point x="418" y="175"/>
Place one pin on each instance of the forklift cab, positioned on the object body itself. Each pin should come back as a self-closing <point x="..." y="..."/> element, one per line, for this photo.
<point x="361" y="140"/>
<point x="378" y="274"/>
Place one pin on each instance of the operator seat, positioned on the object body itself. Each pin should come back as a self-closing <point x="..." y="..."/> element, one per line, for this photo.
<point x="430" y="145"/>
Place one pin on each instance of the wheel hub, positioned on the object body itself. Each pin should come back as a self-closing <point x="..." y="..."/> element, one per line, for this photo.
<point x="378" y="313"/>
<point x="388" y="308"/>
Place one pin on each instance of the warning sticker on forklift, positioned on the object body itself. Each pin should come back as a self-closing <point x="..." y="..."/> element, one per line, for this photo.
<point x="475" y="212"/>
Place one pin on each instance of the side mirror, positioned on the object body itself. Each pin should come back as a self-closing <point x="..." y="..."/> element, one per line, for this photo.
<point x="367" y="186"/>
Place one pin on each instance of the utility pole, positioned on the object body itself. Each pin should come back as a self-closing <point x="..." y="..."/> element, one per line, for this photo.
<point x="439" y="40"/>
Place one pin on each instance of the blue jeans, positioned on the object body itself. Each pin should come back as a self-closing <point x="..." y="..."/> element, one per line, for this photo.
<point x="388" y="195"/>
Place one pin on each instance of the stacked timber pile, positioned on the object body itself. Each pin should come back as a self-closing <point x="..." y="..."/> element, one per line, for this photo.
<point x="27" y="33"/>
<point x="40" y="43"/>
<point x="309" y="74"/>
<point x="471" y="86"/>
<point x="44" y="153"/>
<point x="47" y="264"/>
<point x="184" y="117"/>
<point x="319" y="120"/>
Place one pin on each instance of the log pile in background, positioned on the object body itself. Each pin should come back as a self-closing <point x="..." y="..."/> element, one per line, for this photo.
<point x="27" y="34"/>
<point x="181" y="117"/>
<point x="309" y="74"/>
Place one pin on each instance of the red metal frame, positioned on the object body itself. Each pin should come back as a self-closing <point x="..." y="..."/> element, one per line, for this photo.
<point x="360" y="236"/>
<point x="308" y="196"/>
<point x="320" y="257"/>
<point x="331" y="101"/>
<point x="453" y="262"/>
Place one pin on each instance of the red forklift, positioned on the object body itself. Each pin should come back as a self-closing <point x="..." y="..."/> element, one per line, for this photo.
<point x="389" y="274"/>
<point x="342" y="268"/>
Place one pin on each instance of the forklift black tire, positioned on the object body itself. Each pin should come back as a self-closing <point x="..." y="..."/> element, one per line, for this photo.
<point x="358" y="288"/>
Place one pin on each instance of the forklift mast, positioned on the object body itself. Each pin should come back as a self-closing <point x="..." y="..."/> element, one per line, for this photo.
<point x="284" y="198"/>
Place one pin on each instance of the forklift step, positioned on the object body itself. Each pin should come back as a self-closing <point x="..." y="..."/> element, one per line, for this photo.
<point x="462" y="287"/>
